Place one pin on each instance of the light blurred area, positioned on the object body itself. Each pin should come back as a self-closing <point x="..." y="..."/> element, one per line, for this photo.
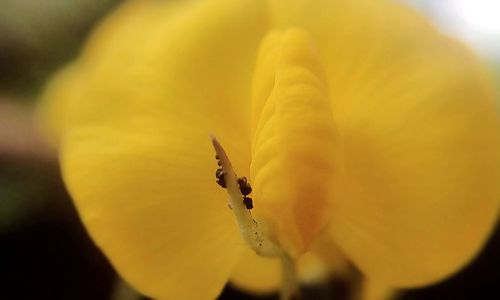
<point x="477" y="22"/>
<point x="45" y="253"/>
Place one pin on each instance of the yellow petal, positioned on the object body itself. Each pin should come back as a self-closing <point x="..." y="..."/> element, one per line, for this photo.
<point x="136" y="154"/>
<point x="261" y="275"/>
<point x="373" y="290"/>
<point x="294" y="140"/>
<point x="419" y="133"/>
<point x="257" y="274"/>
<point x="52" y="113"/>
<point x="336" y="262"/>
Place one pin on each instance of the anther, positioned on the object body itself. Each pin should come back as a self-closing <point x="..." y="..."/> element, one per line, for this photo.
<point x="245" y="187"/>
<point x="237" y="190"/>
<point x="248" y="202"/>
<point x="219" y="174"/>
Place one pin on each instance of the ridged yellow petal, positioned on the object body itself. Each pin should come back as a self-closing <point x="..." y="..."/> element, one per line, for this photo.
<point x="152" y="85"/>
<point x="293" y="161"/>
<point x="419" y="133"/>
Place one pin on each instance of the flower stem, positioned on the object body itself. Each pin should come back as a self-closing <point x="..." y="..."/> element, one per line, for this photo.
<point x="289" y="286"/>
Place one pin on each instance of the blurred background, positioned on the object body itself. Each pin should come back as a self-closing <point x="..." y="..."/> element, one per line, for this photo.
<point x="45" y="252"/>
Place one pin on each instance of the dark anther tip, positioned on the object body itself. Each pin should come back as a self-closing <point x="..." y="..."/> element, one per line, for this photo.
<point x="245" y="187"/>
<point x="221" y="182"/>
<point x="248" y="202"/>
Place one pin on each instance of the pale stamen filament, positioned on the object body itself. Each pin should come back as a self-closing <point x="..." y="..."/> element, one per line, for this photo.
<point x="249" y="227"/>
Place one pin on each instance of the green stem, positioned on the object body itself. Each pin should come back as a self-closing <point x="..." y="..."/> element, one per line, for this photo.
<point x="289" y="286"/>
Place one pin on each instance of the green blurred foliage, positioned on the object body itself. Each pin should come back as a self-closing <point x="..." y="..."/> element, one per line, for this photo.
<point x="23" y="193"/>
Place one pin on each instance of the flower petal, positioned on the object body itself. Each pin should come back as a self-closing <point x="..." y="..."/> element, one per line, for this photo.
<point x="260" y="275"/>
<point x="152" y="85"/>
<point x="294" y="140"/>
<point x="420" y="138"/>
<point x="257" y="274"/>
<point x="52" y="112"/>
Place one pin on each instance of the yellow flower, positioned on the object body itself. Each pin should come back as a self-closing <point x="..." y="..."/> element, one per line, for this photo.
<point x="354" y="120"/>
